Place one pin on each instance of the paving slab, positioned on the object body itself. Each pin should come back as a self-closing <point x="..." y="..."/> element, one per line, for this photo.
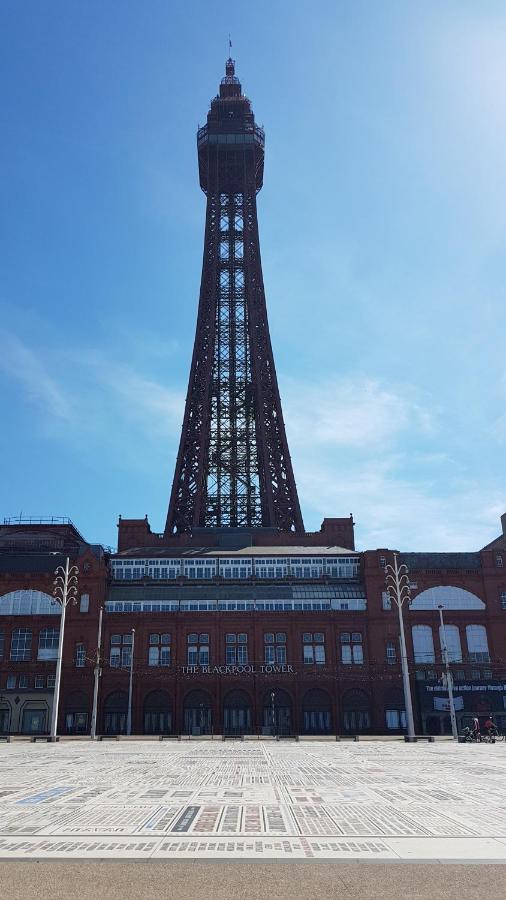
<point x="210" y="800"/>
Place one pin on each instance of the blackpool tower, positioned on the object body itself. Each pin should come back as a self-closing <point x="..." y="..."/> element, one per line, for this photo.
<point x="233" y="466"/>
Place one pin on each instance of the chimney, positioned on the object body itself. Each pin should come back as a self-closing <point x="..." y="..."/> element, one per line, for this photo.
<point x="503" y="522"/>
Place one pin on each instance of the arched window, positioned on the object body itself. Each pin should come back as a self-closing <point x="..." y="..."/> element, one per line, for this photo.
<point x="48" y="643"/>
<point x="423" y="644"/>
<point x="395" y="713"/>
<point x="447" y="596"/>
<point x="277" y="714"/>
<point x="157" y="713"/>
<point x="477" y="643"/>
<point x="28" y="603"/>
<point x="452" y="641"/>
<point x="198" y="713"/>
<point x="115" y="713"/>
<point x="237" y="713"/>
<point x="76" y="712"/>
<point x="356" y="712"/>
<point x="316" y="712"/>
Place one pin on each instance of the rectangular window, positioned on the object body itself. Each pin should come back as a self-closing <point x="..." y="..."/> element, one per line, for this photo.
<point x="21" y="645"/>
<point x="275" y="648"/>
<point x="80" y="656"/>
<point x="386" y="600"/>
<point x="23" y="682"/>
<point x="281" y="654"/>
<point x="39" y="682"/>
<point x="84" y="603"/>
<point x="351" y="648"/>
<point x="11" y="682"/>
<point x="313" y="648"/>
<point x="236" y="649"/>
<point x="2" y="639"/>
<point x="48" y="643"/>
<point x="358" y="654"/>
<point x="159" y="650"/>
<point x="51" y="679"/>
<point x="346" y="654"/>
<point x="120" y="654"/>
<point x="395" y="719"/>
<point x="391" y="653"/>
<point x="319" y="654"/>
<point x="198" y="649"/>
<point x="503" y="600"/>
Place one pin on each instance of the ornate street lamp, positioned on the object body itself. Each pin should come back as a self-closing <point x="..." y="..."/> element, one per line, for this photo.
<point x="273" y="695"/>
<point x="64" y="592"/>
<point x="397" y="582"/>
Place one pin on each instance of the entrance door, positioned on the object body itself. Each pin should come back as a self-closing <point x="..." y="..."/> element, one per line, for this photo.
<point x="157" y="721"/>
<point x="197" y="720"/>
<point x="34" y="721"/>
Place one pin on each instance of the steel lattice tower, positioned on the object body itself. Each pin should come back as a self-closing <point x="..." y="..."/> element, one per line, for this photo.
<point x="233" y="466"/>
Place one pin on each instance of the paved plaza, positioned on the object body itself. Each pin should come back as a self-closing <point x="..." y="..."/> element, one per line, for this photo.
<point x="314" y="800"/>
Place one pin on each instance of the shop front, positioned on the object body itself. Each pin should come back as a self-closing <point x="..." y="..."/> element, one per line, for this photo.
<point x="480" y="699"/>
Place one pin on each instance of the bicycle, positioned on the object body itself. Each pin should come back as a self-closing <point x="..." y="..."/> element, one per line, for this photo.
<point x="492" y="738"/>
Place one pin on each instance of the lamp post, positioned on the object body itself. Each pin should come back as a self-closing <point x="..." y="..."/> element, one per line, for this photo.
<point x="449" y="676"/>
<point x="97" y="673"/>
<point x="64" y="592"/>
<point x="273" y="695"/>
<point x="130" y="685"/>
<point x="397" y="581"/>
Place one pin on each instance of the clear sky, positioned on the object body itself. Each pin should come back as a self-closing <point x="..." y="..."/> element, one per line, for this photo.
<point x="383" y="229"/>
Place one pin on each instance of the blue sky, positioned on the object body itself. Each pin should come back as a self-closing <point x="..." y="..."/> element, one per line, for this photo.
<point x="383" y="229"/>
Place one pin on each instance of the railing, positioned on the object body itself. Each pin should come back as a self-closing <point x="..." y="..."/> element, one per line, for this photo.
<point x="41" y="520"/>
<point x="248" y="136"/>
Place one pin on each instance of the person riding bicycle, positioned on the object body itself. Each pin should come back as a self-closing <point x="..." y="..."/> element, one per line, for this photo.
<point x="475" y="728"/>
<point x="491" y="727"/>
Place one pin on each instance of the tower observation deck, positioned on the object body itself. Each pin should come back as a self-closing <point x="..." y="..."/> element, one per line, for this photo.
<point x="233" y="466"/>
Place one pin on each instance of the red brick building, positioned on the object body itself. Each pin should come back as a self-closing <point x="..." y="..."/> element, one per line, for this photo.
<point x="235" y="632"/>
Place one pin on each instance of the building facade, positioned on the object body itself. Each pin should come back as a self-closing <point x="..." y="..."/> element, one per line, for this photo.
<point x="246" y="638"/>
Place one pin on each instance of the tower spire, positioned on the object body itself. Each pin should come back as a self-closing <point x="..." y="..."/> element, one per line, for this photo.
<point x="233" y="466"/>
